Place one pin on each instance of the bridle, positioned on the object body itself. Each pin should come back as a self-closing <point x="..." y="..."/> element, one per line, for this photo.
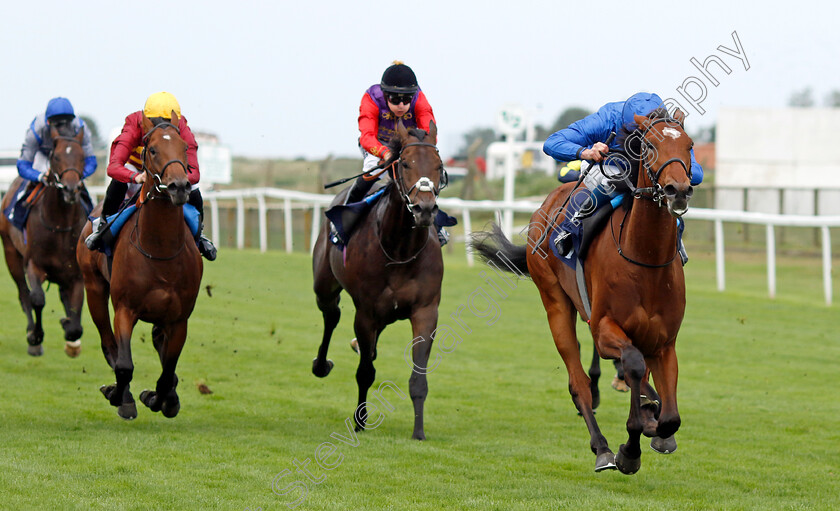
<point x="655" y="191"/>
<point x="424" y="184"/>
<point x="157" y="183"/>
<point x="55" y="182"/>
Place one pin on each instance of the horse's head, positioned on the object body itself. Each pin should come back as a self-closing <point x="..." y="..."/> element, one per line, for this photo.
<point x="419" y="174"/>
<point x="67" y="160"/>
<point x="165" y="160"/>
<point x="666" y="159"/>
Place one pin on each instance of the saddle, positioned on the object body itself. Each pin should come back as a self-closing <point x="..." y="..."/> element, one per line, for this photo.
<point x="345" y="217"/>
<point x="117" y="221"/>
<point x="29" y="193"/>
<point x="582" y="232"/>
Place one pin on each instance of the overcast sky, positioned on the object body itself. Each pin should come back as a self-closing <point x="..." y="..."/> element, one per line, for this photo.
<point x="284" y="79"/>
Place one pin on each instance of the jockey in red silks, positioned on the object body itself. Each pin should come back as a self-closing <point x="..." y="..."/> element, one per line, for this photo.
<point x="397" y="97"/>
<point x="125" y="166"/>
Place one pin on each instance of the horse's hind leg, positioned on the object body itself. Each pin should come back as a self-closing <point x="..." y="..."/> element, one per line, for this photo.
<point x="35" y="334"/>
<point x="594" y="376"/>
<point x="72" y="297"/>
<point x="327" y="296"/>
<point x="98" y="292"/>
<point x="169" y="342"/>
<point x="561" y="321"/>
<point x="14" y="261"/>
<point x="366" y="333"/>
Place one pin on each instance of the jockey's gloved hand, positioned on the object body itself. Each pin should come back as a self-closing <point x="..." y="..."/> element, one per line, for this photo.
<point x="42" y="177"/>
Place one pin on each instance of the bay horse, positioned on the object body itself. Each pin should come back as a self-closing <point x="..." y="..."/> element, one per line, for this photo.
<point x="391" y="267"/>
<point x="634" y="280"/>
<point x="155" y="274"/>
<point x="46" y="249"/>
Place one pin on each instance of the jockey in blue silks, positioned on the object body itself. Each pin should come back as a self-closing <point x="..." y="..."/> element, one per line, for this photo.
<point x="33" y="163"/>
<point x="586" y="140"/>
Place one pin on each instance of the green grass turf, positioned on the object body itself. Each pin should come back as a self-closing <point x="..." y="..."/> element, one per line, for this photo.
<point x="757" y="394"/>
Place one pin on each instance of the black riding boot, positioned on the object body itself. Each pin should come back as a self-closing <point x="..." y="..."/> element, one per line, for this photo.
<point x="563" y="241"/>
<point x="358" y="191"/>
<point x="205" y="246"/>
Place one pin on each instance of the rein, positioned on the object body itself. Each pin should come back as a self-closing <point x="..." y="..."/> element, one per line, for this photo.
<point x="655" y="191"/>
<point x="156" y="183"/>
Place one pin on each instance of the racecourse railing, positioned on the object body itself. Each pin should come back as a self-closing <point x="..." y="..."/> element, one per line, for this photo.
<point x="291" y="200"/>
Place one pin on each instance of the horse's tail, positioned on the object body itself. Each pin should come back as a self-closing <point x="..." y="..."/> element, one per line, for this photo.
<point x="494" y="247"/>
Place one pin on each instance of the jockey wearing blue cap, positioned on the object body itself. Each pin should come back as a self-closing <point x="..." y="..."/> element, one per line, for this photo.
<point x="33" y="163"/>
<point x="587" y="139"/>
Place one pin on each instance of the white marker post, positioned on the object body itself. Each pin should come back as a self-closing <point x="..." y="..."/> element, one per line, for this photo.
<point x="511" y="122"/>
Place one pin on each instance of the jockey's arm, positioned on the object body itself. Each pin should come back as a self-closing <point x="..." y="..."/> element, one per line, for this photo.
<point x="87" y="147"/>
<point x="696" y="171"/>
<point x="27" y="157"/>
<point x="423" y="112"/>
<point x="193" y="173"/>
<point x="582" y="136"/>
<point x="121" y="148"/>
<point x="369" y="127"/>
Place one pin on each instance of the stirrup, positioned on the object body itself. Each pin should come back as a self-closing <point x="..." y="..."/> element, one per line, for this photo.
<point x="94" y="239"/>
<point x="563" y="243"/>
<point x="335" y="239"/>
<point x="443" y="236"/>
<point x="206" y="247"/>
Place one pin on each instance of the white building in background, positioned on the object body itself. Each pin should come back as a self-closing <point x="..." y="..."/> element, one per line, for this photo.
<point x="778" y="160"/>
<point x="527" y="155"/>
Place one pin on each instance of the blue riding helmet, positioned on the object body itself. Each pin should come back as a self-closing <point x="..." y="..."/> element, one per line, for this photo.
<point x="641" y="103"/>
<point x="59" y="106"/>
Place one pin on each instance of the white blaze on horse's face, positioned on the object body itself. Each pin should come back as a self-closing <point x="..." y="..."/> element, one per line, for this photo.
<point x="167" y="137"/>
<point x="68" y="150"/>
<point x="671" y="132"/>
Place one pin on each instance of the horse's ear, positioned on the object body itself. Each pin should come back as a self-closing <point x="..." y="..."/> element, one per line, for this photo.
<point x="175" y="119"/>
<point x="146" y="124"/>
<point x="433" y="131"/>
<point x="80" y="136"/>
<point x="642" y="121"/>
<point x="679" y="116"/>
<point x="402" y="132"/>
<point x="53" y="132"/>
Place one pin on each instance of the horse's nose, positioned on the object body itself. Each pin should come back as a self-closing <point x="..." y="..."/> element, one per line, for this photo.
<point x="677" y="197"/>
<point x="424" y="213"/>
<point x="179" y="191"/>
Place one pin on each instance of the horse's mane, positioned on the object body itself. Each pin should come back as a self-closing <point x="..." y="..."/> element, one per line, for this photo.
<point x="65" y="128"/>
<point x="395" y="145"/>
<point x="633" y="145"/>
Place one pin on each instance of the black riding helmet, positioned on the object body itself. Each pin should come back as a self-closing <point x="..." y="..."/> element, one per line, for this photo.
<point x="399" y="79"/>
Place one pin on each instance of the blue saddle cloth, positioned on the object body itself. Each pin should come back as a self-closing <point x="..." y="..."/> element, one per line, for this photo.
<point x="117" y="221"/>
<point x="344" y="217"/>
<point x="18" y="210"/>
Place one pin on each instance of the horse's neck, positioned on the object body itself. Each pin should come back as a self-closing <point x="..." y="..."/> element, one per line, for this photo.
<point x="55" y="210"/>
<point x="396" y="226"/>
<point x="160" y="224"/>
<point x="650" y="232"/>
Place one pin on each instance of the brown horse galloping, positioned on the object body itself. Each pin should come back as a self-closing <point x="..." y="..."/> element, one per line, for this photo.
<point x="392" y="268"/>
<point x="155" y="276"/>
<point x="46" y="249"/>
<point x="636" y="285"/>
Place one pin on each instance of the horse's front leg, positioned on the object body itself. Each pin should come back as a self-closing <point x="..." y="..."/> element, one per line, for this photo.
<point x="664" y="370"/>
<point x="72" y="297"/>
<point x="120" y="395"/>
<point x="169" y="342"/>
<point x="327" y="296"/>
<point x="423" y="325"/>
<point x="366" y="334"/>
<point x="35" y="331"/>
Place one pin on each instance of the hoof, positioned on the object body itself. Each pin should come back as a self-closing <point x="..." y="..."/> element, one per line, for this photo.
<point x="619" y="385"/>
<point x="625" y="464"/>
<point x="321" y="371"/>
<point x="73" y="348"/>
<point x="663" y="445"/>
<point x="35" y="351"/>
<point x="418" y="436"/>
<point x="354" y="345"/>
<point x="127" y="411"/>
<point x="150" y="399"/>
<point x="171" y="406"/>
<point x="605" y="461"/>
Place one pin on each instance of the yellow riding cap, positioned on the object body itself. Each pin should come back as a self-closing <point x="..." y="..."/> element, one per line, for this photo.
<point x="161" y="104"/>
